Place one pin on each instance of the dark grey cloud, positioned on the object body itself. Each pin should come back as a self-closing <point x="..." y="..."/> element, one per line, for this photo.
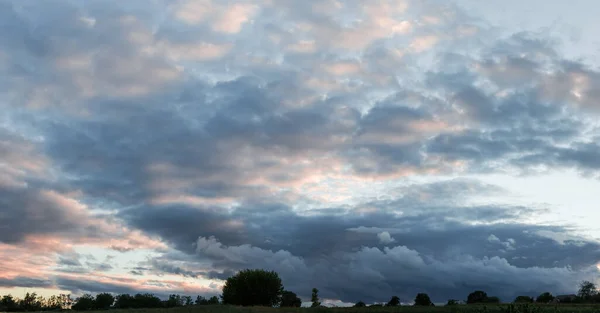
<point x="443" y="244"/>
<point x="26" y="282"/>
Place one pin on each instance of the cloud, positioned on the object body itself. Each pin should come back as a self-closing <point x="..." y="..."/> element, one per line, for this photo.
<point x="312" y="138"/>
<point x="385" y="237"/>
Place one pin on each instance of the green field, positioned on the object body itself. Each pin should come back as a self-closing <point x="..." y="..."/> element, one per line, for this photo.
<point x="494" y="308"/>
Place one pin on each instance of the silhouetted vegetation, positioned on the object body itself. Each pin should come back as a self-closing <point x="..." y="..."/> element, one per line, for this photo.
<point x="253" y="287"/>
<point x="394" y="301"/>
<point x="314" y="298"/>
<point x="262" y="288"/>
<point x="523" y="299"/>
<point x="290" y="299"/>
<point x="423" y="299"/>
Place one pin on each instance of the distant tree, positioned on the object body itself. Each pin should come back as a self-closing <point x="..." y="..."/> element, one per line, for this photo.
<point x="394" y="301"/>
<point x="188" y="300"/>
<point x="360" y="304"/>
<point x="8" y="303"/>
<point x="452" y="302"/>
<point x="200" y="300"/>
<point x="253" y="287"/>
<point x="174" y="301"/>
<point x="290" y="299"/>
<point x="422" y="299"/>
<point x="53" y="303"/>
<point x="213" y="300"/>
<point x="124" y="301"/>
<point x="545" y="297"/>
<point x="523" y="299"/>
<point x="84" y="303"/>
<point x="104" y="301"/>
<point x="376" y="305"/>
<point x="587" y="290"/>
<point x="477" y="296"/>
<point x="314" y="298"/>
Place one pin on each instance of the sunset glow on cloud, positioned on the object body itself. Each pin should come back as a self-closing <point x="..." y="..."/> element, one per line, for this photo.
<point x="409" y="146"/>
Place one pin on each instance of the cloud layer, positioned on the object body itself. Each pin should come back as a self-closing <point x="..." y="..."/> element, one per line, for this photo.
<point x="168" y="144"/>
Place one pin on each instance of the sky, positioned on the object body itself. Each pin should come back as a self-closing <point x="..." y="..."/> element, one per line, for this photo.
<point x="365" y="148"/>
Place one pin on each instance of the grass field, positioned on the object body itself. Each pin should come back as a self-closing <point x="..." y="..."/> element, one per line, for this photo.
<point x="493" y="308"/>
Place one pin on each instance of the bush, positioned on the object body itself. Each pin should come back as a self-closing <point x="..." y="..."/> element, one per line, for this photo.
<point x="253" y="287"/>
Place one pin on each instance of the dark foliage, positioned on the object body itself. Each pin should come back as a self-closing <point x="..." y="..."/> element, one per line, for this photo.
<point x="394" y="301"/>
<point x="85" y="303"/>
<point x="104" y="301"/>
<point x="523" y="299"/>
<point x="545" y="297"/>
<point x="360" y="304"/>
<point x="477" y="296"/>
<point x="314" y="298"/>
<point x="290" y="299"/>
<point x="253" y="287"/>
<point x="422" y="299"/>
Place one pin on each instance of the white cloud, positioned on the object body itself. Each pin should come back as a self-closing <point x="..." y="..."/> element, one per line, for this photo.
<point x="385" y="237"/>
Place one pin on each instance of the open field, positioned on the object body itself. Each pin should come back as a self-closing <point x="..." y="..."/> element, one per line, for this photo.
<point x="494" y="308"/>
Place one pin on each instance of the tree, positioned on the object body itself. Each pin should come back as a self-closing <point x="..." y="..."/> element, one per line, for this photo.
<point x="360" y="304"/>
<point x="587" y="290"/>
<point x="290" y="299"/>
<point x="84" y="303"/>
<point x="314" y="298"/>
<point x="213" y="300"/>
<point x="422" y="299"/>
<point x="8" y="303"/>
<point x="253" y="287"/>
<point x="394" y="301"/>
<point x="104" y="301"/>
<point x="523" y="299"/>
<point x="174" y="301"/>
<point x="452" y="302"/>
<point x="545" y="297"/>
<point x="477" y="296"/>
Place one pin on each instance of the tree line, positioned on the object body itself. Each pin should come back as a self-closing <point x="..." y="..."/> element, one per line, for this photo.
<point x="254" y="287"/>
<point x="102" y="301"/>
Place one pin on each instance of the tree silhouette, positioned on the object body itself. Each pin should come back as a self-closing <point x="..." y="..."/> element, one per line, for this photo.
<point x="290" y="299"/>
<point x="545" y="297"/>
<point x="523" y="299"/>
<point x="477" y="296"/>
<point x="314" y="298"/>
<point x="360" y="304"/>
<point x="104" y="301"/>
<point x="422" y="299"/>
<point x="587" y="290"/>
<point x="84" y="303"/>
<point x="394" y="301"/>
<point x="253" y="287"/>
